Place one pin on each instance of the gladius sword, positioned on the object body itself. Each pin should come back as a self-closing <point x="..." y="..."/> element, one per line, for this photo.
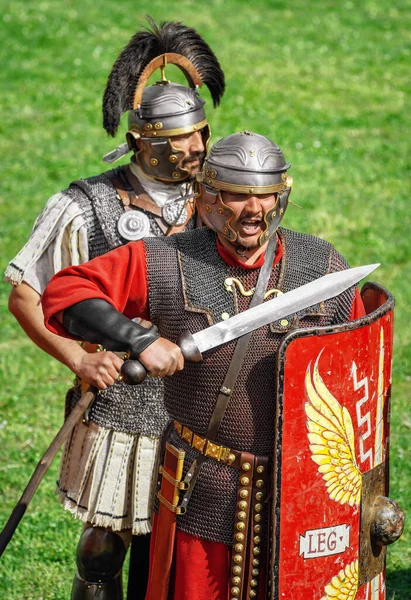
<point x="192" y="346"/>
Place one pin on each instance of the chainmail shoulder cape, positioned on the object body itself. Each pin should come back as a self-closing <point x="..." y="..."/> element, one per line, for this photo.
<point x="188" y="269"/>
<point x="133" y="409"/>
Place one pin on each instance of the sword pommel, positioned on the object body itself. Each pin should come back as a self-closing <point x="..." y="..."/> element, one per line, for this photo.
<point x="133" y="372"/>
<point x="189" y="347"/>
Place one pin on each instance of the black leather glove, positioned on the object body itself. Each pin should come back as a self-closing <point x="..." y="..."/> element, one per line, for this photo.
<point x="96" y="321"/>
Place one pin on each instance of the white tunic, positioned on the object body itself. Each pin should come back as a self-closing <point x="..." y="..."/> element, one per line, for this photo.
<point x="106" y="477"/>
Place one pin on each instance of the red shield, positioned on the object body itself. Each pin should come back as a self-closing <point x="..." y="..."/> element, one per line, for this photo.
<point x="332" y="455"/>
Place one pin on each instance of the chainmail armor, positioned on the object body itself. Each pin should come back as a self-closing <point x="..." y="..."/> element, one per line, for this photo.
<point x="136" y="410"/>
<point x="190" y="394"/>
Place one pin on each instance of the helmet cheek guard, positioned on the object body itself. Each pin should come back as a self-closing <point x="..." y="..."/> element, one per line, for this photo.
<point x="160" y="160"/>
<point x="214" y="213"/>
<point x="160" y="157"/>
<point x="274" y="216"/>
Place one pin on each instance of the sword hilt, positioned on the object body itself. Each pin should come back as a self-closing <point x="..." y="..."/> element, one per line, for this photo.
<point x="133" y="371"/>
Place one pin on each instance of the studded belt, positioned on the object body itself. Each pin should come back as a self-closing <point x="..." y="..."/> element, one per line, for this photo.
<point x="207" y="447"/>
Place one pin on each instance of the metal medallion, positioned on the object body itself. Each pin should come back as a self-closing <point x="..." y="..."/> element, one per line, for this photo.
<point x="174" y="213"/>
<point x="133" y="225"/>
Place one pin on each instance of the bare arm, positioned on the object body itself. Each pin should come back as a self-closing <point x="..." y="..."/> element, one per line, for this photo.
<point x="100" y="369"/>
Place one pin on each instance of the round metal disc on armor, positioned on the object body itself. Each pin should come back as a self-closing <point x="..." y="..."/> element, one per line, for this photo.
<point x="133" y="225"/>
<point x="174" y="213"/>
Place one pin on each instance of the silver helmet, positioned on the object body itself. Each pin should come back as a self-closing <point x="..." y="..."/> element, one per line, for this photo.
<point x="243" y="163"/>
<point x="162" y="111"/>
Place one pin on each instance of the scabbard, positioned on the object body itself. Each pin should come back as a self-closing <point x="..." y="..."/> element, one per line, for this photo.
<point x="162" y="551"/>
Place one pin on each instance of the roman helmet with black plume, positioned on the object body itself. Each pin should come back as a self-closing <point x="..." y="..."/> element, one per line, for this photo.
<point x="158" y="113"/>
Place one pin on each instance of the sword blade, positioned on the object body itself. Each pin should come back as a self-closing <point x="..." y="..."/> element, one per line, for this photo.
<point x="307" y="295"/>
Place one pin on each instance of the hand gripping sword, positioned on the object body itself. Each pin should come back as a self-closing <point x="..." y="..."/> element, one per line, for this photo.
<point x="193" y="345"/>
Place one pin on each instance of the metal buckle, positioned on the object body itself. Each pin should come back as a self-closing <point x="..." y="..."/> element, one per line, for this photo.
<point x="187" y="434"/>
<point x="213" y="450"/>
<point x="227" y="456"/>
<point x="198" y="443"/>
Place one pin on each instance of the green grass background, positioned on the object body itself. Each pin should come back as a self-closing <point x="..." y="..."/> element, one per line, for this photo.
<point x="328" y="81"/>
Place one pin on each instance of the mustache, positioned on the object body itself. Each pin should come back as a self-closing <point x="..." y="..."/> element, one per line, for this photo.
<point x="248" y="215"/>
<point x="192" y="157"/>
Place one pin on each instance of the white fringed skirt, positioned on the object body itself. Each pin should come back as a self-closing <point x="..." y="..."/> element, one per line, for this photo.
<point x="108" y="478"/>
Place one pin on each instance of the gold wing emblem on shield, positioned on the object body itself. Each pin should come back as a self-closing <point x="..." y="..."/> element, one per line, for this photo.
<point x="331" y="437"/>
<point x="343" y="586"/>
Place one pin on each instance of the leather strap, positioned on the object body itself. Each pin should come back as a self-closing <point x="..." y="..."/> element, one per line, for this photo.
<point x="259" y="526"/>
<point x="227" y="388"/>
<point x="241" y="526"/>
<point x="241" y="347"/>
<point x="136" y="196"/>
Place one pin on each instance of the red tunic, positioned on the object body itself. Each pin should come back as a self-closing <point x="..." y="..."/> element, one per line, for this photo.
<point x="202" y="568"/>
<point x="120" y="278"/>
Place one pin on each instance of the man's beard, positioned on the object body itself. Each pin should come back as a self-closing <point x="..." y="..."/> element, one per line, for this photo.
<point x="246" y="243"/>
<point x="191" y="158"/>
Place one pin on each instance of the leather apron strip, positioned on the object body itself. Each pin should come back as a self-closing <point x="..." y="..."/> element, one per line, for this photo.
<point x="257" y="558"/>
<point x="238" y="571"/>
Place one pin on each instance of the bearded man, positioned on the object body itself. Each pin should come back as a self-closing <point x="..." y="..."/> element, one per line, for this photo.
<point x="107" y="466"/>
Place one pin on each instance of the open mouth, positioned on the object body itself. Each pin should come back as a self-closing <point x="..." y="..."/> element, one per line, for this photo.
<point x="251" y="226"/>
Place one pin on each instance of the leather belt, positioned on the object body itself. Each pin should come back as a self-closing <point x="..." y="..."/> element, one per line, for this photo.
<point x="208" y="448"/>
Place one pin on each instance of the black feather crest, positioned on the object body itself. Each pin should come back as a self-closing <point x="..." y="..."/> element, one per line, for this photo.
<point x="144" y="46"/>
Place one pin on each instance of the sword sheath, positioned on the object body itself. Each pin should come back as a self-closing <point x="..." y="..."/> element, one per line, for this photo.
<point x="162" y="552"/>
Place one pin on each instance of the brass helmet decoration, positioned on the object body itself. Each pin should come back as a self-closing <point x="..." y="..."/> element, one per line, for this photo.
<point x="160" y="112"/>
<point x="243" y="163"/>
